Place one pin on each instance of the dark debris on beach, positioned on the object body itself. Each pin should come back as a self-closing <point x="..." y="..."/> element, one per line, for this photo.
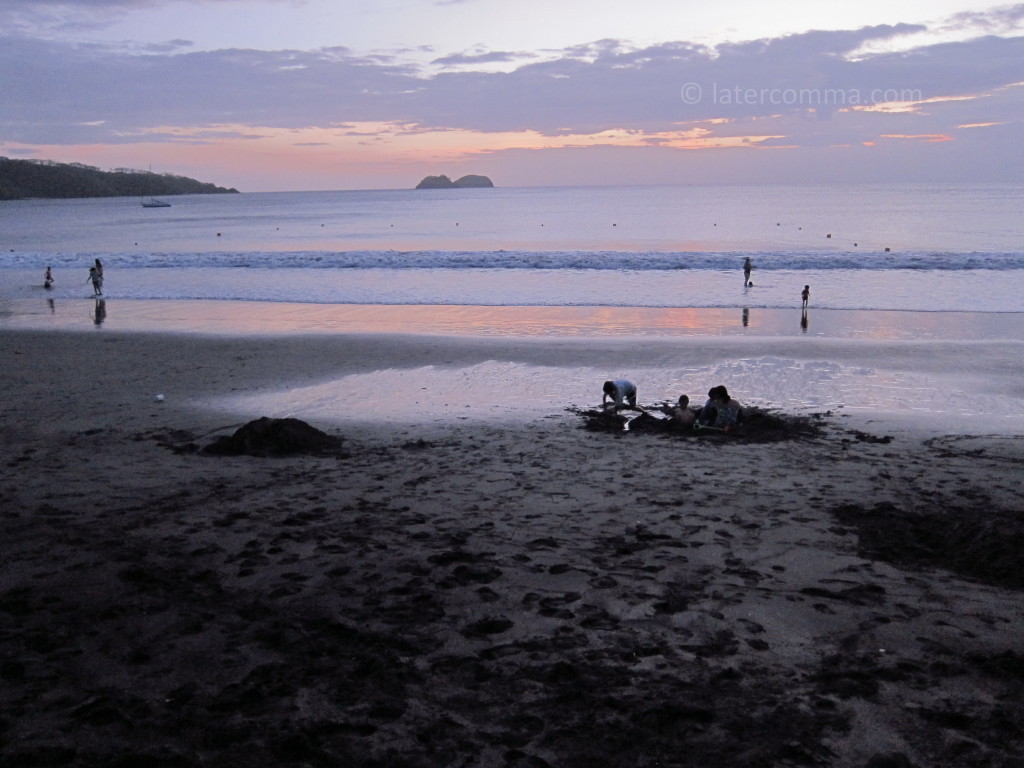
<point x="760" y="425"/>
<point x="974" y="538"/>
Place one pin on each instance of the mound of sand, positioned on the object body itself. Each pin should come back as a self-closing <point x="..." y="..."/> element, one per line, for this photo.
<point x="276" y="437"/>
<point x="760" y="425"/>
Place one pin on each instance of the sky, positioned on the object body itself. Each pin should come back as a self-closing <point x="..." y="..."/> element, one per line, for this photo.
<point x="283" y="95"/>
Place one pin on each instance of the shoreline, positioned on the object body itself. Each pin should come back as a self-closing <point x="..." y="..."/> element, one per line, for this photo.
<point x="514" y="591"/>
<point x="274" y="318"/>
<point x="431" y="379"/>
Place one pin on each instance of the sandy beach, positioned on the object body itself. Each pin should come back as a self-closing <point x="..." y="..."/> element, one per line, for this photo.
<point x="475" y="578"/>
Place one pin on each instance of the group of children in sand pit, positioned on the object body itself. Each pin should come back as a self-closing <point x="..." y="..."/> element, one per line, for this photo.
<point x="720" y="412"/>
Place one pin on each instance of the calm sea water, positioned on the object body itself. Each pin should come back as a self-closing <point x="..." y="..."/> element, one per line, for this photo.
<point x="912" y="247"/>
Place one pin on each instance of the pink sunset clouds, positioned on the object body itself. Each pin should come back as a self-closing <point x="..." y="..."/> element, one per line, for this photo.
<point x="857" y="104"/>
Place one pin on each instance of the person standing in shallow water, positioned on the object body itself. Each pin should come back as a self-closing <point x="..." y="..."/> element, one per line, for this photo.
<point x="48" y="278"/>
<point x="747" y="268"/>
<point x="97" y="281"/>
<point x="805" y="295"/>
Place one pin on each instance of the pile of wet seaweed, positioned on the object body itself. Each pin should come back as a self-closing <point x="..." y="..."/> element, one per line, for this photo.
<point x="976" y="538"/>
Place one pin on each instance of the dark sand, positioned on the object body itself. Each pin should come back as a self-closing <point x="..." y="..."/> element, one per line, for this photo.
<point x="484" y="594"/>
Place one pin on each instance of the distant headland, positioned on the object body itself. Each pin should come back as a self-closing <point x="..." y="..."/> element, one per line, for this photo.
<point x="443" y="182"/>
<point x="20" y="179"/>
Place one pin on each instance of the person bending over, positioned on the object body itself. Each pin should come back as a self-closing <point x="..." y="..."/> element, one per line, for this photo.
<point x="620" y="392"/>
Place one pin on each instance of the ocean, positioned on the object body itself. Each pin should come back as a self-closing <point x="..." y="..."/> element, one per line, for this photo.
<point x="918" y="248"/>
<point x="917" y="263"/>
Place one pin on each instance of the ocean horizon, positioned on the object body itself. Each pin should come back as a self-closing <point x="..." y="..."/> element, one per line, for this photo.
<point x="914" y="247"/>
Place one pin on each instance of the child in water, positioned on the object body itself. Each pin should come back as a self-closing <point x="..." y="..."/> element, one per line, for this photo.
<point x="97" y="281"/>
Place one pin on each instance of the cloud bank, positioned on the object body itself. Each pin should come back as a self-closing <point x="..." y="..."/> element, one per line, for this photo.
<point x="796" y="96"/>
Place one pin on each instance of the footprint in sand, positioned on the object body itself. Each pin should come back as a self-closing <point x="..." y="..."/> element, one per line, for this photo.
<point x="489" y="626"/>
<point x="475" y="574"/>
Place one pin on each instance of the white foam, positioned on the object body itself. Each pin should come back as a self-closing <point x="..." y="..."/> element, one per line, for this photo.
<point x="931" y="291"/>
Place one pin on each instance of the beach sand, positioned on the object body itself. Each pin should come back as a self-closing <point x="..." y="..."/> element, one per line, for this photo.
<point x="489" y="587"/>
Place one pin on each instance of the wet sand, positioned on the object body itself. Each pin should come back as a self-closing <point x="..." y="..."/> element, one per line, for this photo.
<point x="511" y="590"/>
<point x="206" y="317"/>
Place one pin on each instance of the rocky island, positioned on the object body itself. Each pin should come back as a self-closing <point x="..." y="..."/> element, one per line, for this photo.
<point x="20" y="179"/>
<point x="443" y="182"/>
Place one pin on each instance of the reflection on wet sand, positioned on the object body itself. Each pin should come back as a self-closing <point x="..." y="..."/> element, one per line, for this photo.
<point x="263" y="318"/>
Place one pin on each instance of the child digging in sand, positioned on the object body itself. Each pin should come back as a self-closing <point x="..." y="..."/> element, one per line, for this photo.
<point x="728" y="411"/>
<point x="680" y="416"/>
<point x="620" y="391"/>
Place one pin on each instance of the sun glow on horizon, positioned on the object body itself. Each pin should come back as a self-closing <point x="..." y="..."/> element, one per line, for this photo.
<point x="407" y="149"/>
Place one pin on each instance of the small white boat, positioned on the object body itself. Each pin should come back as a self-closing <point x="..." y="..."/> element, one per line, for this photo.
<point x="153" y="203"/>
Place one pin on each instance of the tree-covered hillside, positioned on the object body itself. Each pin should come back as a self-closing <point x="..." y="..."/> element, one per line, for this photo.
<point x="43" y="178"/>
